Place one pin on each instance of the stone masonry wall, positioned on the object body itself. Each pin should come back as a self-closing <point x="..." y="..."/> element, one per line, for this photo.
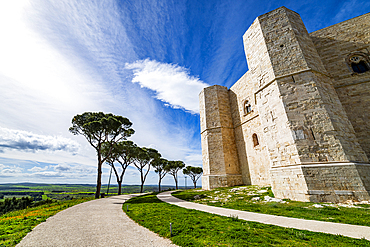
<point x="309" y="112"/>
<point x="325" y="182"/>
<point x="334" y="44"/>
<point x="289" y="182"/>
<point x="260" y="67"/>
<point x="220" y="160"/>
<point x="337" y="182"/>
<point x="254" y="160"/>
<point x="301" y="116"/>
<point x="321" y="129"/>
<point x="306" y="95"/>
<point x="289" y="46"/>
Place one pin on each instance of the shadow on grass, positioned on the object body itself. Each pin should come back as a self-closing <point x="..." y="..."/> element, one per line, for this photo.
<point x="151" y="198"/>
<point x="120" y="203"/>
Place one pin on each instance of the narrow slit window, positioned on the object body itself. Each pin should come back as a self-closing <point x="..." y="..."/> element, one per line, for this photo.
<point x="255" y="140"/>
<point x="247" y="107"/>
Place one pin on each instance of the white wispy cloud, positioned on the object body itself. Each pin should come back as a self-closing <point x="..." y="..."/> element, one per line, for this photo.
<point x="172" y="83"/>
<point x="9" y="171"/>
<point x="62" y="58"/>
<point x="349" y="9"/>
<point x="38" y="169"/>
<point x="47" y="174"/>
<point x="39" y="82"/>
<point x="63" y="170"/>
<point x="193" y="158"/>
<point x="62" y="167"/>
<point x="28" y="141"/>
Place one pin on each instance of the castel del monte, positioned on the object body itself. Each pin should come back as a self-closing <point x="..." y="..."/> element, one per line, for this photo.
<point x="298" y="119"/>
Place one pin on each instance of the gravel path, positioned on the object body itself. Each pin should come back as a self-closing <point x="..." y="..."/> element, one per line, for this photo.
<point x="95" y="223"/>
<point x="352" y="231"/>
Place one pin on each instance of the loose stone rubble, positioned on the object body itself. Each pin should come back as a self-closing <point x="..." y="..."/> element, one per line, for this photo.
<point x="257" y="194"/>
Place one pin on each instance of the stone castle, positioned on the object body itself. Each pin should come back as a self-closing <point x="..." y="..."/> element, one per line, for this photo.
<point x="298" y="120"/>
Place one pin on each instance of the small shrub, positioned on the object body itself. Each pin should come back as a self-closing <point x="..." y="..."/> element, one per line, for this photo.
<point x="234" y="217"/>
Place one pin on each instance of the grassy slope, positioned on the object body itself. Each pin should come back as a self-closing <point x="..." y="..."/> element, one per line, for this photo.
<point x="74" y="189"/>
<point x="15" y="225"/>
<point x="195" y="228"/>
<point x="67" y="191"/>
<point x="242" y="200"/>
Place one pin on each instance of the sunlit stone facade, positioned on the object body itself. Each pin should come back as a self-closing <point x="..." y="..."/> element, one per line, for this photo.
<point x="298" y="120"/>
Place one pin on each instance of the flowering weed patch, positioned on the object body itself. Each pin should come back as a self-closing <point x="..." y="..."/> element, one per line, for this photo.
<point x="15" y="225"/>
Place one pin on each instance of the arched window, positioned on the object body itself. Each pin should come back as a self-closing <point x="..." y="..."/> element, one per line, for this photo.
<point x="359" y="62"/>
<point x="247" y="107"/>
<point x="255" y="140"/>
<point x="360" y="67"/>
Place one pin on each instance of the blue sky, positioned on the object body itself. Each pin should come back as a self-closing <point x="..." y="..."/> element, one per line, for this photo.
<point x="145" y="60"/>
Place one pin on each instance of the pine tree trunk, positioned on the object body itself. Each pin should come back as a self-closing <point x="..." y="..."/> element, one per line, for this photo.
<point x="119" y="187"/>
<point x="195" y="184"/>
<point x="98" y="181"/>
<point x="142" y="183"/>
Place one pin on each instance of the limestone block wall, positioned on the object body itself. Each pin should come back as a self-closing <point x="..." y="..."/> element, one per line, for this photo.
<point x="276" y="129"/>
<point x="257" y="156"/>
<point x="335" y="44"/>
<point x="289" y="182"/>
<point x="308" y="110"/>
<point x="253" y="159"/>
<point x="337" y="182"/>
<point x="320" y="126"/>
<point x="301" y="116"/>
<point x="303" y="119"/>
<point x="289" y="46"/>
<point x="325" y="182"/>
<point x="260" y="67"/>
<point x="356" y="102"/>
<point x="220" y="159"/>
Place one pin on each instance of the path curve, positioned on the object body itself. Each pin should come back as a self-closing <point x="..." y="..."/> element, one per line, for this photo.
<point x="352" y="231"/>
<point x="99" y="222"/>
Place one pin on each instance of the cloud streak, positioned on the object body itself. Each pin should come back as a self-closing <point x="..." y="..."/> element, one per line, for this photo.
<point x="37" y="169"/>
<point x="7" y="169"/>
<point x="62" y="170"/>
<point x="28" y="141"/>
<point x="172" y="83"/>
<point x="62" y="167"/>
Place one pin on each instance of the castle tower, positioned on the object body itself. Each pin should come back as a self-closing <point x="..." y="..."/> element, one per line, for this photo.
<point x="313" y="150"/>
<point x="220" y="160"/>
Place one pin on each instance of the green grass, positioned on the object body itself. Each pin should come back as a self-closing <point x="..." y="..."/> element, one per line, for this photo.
<point x="45" y="197"/>
<point x="195" y="228"/>
<point x="241" y="198"/>
<point x="15" y="225"/>
<point x="62" y="191"/>
<point x="33" y="187"/>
